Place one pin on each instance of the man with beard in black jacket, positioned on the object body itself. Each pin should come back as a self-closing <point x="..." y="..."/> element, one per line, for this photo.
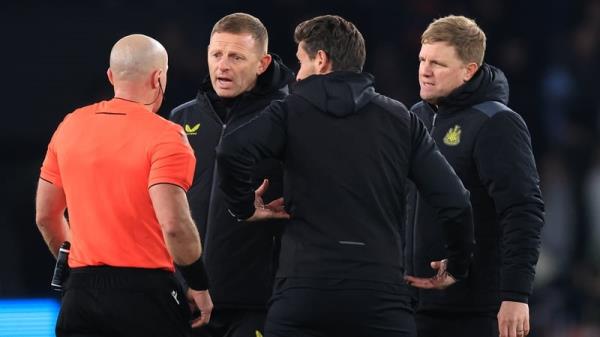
<point x="489" y="147"/>
<point x="239" y="258"/>
<point x="347" y="152"/>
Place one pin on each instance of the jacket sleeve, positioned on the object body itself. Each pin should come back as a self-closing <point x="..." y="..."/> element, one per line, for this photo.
<point x="262" y="137"/>
<point x="506" y="167"/>
<point x="442" y="188"/>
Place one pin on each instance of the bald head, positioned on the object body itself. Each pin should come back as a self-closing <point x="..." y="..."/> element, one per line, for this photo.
<point x="136" y="56"/>
<point x="138" y="70"/>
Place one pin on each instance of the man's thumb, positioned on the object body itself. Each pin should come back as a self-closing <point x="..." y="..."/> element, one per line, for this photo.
<point x="263" y="187"/>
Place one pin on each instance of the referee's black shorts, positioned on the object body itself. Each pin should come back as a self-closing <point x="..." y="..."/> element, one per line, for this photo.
<point x="110" y="301"/>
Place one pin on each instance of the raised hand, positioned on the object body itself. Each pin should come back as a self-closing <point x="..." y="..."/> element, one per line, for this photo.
<point x="441" y="280"/>
<point x="272" y="210"/>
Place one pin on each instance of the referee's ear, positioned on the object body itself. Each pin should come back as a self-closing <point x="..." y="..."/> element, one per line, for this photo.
<point x="110" y="77"/>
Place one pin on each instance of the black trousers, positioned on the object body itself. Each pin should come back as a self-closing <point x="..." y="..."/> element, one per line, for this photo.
<point x="303" y="312"/>
<point x="107" y="301"/>
<point x="457" y="324"/>
<point x="233" y="323"/>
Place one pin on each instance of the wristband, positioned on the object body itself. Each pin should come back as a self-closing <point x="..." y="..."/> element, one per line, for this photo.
<point x="195" y="275"/>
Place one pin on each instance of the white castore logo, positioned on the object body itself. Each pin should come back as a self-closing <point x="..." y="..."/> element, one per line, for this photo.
<point x="174" y="294"/>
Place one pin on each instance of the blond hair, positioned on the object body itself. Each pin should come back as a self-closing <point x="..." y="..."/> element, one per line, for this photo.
<point x="240" y="23"/>
<point x="460" y="32"/>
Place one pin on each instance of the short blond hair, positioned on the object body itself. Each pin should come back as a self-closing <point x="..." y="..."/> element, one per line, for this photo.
<point x="243" y="23"/>
<point x="460" y="32"/>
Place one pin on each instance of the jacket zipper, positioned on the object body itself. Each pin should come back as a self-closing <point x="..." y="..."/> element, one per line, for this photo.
<point x="214" y="173"/>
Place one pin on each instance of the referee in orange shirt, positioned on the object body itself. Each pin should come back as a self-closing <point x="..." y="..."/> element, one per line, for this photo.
<point x="122" y="171"/>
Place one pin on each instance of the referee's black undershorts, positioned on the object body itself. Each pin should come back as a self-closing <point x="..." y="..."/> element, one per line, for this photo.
<point x="110" y="301"/>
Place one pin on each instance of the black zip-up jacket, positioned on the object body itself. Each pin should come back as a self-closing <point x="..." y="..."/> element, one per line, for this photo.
<point x="347" y="153"/>
<point x="239" y="257"/>
<point x="489" y="147"/>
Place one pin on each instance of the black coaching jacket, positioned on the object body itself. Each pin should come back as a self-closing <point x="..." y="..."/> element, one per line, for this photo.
<point x="347" y="152"/>
<point x="489" y="147"/>
<point x="239" y="257"/>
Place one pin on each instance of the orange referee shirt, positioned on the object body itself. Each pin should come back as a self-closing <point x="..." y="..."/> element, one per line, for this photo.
<point x="106" y="156"/>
